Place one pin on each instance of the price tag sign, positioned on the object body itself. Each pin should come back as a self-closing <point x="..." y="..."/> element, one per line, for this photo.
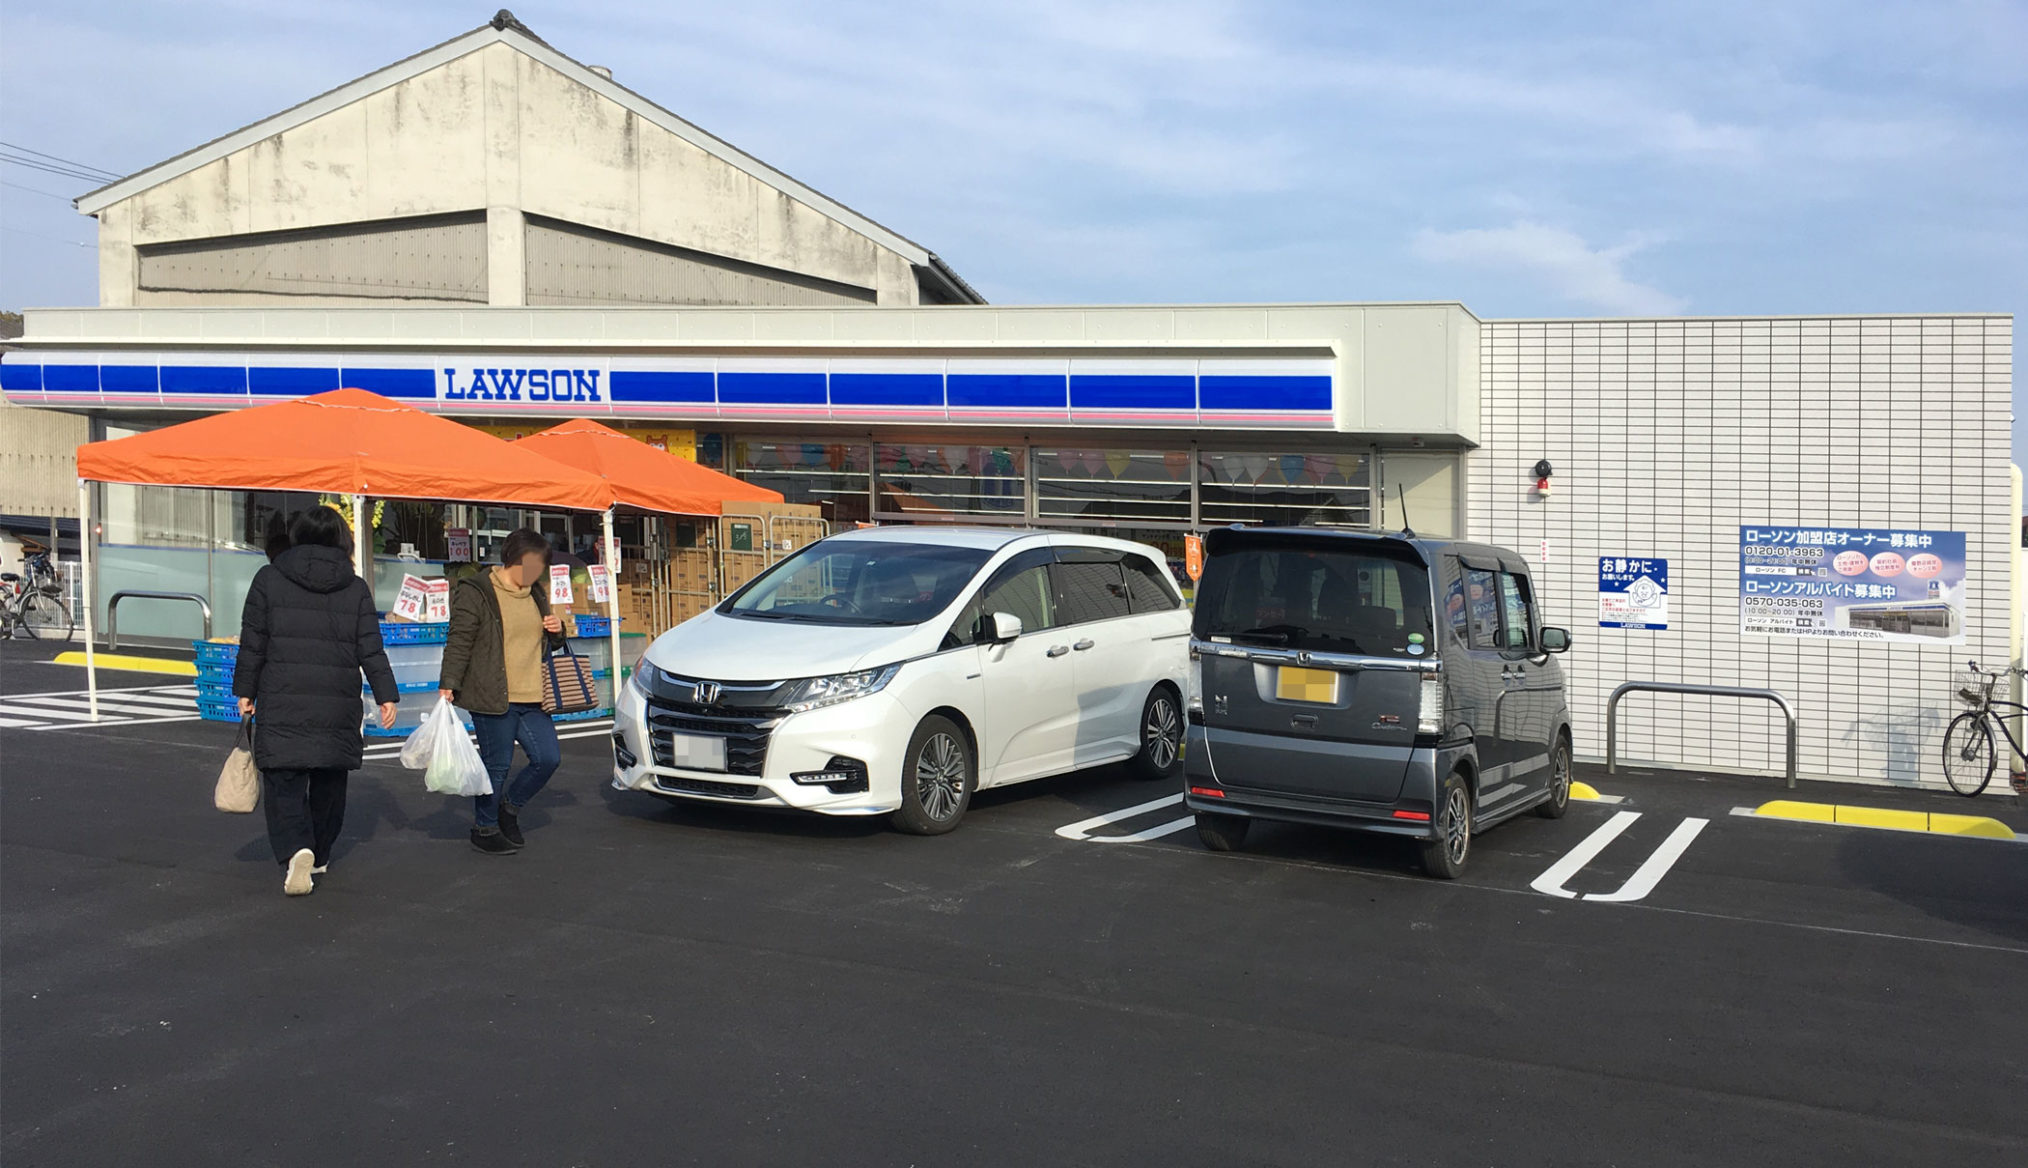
<point x="559" y="584"/>
<point x="601" y="584"/>
<point x="437" y="602"/>
<point x="409" y="603"/>
<point x="460" y="541"/>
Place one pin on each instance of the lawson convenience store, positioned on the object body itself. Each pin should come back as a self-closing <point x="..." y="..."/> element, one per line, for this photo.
<point x="1665" y="438"/>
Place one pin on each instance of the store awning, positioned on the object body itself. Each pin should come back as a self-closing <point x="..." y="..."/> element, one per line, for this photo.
<point x="349" y="442"/>
<point x="640" y="475"/>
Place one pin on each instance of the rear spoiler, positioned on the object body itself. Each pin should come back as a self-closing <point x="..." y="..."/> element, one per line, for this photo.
<point x="1226" y="539"/>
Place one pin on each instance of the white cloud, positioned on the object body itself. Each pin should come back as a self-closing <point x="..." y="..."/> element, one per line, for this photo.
<point x="1560" y="258"/>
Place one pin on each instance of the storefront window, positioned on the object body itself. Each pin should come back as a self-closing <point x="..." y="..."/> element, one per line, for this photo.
<point x="932" y="481"/>
<point x="1101" y="483"/>
<point x="833" y="475"/>
<point x="1328" y="490"/>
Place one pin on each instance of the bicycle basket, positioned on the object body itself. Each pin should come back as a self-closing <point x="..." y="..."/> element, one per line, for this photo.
<point x="1974" y="689"/>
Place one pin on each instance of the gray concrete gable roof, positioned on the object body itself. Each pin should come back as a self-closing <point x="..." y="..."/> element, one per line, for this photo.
<point x="505" y="29"/>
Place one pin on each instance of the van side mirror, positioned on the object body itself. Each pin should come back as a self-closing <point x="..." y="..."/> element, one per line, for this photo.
<point x="1555" y="640"/>
<point x="1000" y="628"/>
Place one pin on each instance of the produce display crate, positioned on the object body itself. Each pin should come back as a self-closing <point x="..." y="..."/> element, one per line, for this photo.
<point x="401" y="633"/>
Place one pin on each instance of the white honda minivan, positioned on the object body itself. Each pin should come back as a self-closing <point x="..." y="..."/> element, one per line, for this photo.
<point x="898" y="670"/>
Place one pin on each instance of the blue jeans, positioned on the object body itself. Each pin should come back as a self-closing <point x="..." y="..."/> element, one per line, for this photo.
<point x="497" y="734"/>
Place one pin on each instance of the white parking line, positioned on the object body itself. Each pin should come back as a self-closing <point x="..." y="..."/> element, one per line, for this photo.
<point x="576" y="730"/>
<point x="1645" y="877"/>
<point x="71" y="709"/>
<point x="1078" y="830"/>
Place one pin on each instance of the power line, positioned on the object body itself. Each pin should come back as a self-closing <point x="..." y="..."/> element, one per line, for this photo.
<point x="72" y="163"/>
<point x="36" y="191"/>
<point x="48" y="238"/>
<point x="47" y="168"/>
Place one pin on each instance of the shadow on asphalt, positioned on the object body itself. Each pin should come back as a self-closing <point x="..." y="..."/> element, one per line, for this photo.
<point x="1974" y="883"/>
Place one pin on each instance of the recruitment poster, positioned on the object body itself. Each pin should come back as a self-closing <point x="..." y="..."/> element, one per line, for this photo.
<point x="1853" y="583"/>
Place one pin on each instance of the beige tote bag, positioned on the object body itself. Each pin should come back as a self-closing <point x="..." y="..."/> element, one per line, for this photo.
<point x="239" y="782"/>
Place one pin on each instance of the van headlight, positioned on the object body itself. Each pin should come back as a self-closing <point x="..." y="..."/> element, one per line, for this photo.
<point x="814" y="693"/>
<point x="1429" y="715"/>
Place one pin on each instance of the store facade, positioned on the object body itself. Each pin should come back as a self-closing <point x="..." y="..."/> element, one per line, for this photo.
<point x="1670" y="444"/>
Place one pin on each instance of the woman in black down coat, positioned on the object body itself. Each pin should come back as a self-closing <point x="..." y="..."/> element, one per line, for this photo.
<point x="310" y="629"/>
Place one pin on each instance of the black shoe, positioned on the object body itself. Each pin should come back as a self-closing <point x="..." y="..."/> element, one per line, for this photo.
<point x="510" y="825"/>
<point x="492" y="843"/>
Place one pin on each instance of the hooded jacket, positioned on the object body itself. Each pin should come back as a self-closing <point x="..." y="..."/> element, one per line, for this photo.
<point x="309" y="631"/>
<point x="475" y="652"/>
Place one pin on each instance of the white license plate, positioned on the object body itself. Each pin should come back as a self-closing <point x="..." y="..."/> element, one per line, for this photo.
<point x="696" y="752"/>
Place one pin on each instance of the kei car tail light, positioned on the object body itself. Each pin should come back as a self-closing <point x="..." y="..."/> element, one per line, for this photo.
<point x="1429" y="717"/>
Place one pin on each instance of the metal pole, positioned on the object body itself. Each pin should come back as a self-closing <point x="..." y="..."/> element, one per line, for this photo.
<point x="359" y="537"/>
<point x="611" y="559"/>
<point x="84" y="567"/>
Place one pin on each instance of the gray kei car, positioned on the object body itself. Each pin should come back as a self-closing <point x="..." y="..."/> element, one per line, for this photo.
<point x="1376" y="682"/>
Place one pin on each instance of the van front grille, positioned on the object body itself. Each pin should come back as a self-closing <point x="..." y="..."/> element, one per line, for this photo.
<point x="746" y="733"/>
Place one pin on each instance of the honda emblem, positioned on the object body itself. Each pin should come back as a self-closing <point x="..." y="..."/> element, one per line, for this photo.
<point x="707" y="693"/>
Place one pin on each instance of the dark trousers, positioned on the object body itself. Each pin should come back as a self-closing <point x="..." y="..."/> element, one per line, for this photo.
<point x="528" y="725"/>
<point x="305" y="810"/>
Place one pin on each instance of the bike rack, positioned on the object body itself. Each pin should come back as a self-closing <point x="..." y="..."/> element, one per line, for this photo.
<point x="1716" y="691"/>
<point x="113" y="611"/>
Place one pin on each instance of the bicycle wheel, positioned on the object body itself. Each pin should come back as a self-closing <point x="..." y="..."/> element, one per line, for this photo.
<point x="46" y="618"/>
<point x="1968" y="754"/>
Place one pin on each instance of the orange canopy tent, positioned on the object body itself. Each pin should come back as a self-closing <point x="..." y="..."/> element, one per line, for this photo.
<point x="347" y="441"/>
<point x="640" y="475"/>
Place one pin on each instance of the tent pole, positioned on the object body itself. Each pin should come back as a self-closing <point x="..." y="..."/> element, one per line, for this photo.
<point x="610" y="557"/>
<point x="84" y="567"/>
<point x="360" y="536"/>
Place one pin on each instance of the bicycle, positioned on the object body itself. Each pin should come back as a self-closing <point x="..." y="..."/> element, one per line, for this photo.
<point x="35" y="605"/>
<point x="1968" y="754"/>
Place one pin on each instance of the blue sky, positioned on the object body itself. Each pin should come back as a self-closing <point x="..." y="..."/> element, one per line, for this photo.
<point x="1527" y="159"/>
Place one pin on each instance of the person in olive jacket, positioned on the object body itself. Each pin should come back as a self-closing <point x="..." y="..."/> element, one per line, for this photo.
<point x="501" y="628"/>
<point x="308" y="632"/>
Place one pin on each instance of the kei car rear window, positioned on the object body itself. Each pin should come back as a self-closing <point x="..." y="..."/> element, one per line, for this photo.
<point x="1299" y="596"/>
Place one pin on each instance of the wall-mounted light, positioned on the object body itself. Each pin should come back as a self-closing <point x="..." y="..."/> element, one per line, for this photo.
<point x="1542" y="472"/>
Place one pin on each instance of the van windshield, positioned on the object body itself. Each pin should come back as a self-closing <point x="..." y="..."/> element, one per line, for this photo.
<point x="1303" y="596"/>
<point x="860" y="582"/>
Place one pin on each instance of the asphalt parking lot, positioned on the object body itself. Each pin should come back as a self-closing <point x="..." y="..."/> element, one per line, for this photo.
<point x="657" y="984"/>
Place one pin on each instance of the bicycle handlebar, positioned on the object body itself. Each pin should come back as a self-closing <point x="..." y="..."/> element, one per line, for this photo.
<point x="2007" y="671"/>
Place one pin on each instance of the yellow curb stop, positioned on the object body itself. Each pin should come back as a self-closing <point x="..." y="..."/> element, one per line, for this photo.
<point x="1582" y="790"/>
<point x="1930" y="821"/>
<point x="129" y="664"/>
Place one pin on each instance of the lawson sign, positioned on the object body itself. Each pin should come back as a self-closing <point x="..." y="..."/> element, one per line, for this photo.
<point x="1260" y="392"/>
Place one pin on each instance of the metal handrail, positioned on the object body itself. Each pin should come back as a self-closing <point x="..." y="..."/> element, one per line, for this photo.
<point x="113" y="611"/>
<point x="1716" y="691"/>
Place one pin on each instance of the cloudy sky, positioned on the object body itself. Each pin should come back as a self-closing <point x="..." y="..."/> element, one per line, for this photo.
<point x="1526" y="158"/>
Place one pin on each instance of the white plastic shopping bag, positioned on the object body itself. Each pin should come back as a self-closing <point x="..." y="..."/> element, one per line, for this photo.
<point x="442" y="750"/>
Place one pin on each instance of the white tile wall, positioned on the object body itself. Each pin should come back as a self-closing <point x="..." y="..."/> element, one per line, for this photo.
<point x="1667" y="435"/>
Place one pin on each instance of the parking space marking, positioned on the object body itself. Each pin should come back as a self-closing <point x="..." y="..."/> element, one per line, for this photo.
<point x="1079" y="830"/>
<point x="1551" y="881"/>
<point x="385" y="750"/>
<point x="1656" y="866"/>
<point x="71" y="709"/>
<point x="1645" y="877"/>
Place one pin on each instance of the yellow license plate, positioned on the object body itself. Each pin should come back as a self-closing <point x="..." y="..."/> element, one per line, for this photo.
<point x="1306" y="685"/>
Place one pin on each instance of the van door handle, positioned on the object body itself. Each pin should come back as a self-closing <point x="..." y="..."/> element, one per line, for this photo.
<point x="1058" y="650"/>
<point x="1081" y="646"/>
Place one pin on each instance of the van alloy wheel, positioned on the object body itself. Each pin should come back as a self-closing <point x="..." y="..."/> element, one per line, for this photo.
<point x="1457" y="825"/>
<point x="940" y="776"/>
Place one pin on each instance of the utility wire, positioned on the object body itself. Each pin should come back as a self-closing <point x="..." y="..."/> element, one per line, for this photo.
<point x="36" y="191"/>
<point x="47" y="168"/>
<point x="74" y="165"/>
<point x="48" y="238"/>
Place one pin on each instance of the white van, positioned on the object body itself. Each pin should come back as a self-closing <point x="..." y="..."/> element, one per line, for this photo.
<point x="897" y="670"/>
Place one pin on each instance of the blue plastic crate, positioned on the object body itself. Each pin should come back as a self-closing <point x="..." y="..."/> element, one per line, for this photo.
<point x="218" y="710"/>
<point x="595" y="626"/>
<point x="214" y="691"/>
<point x="584" y="715"/>
<point x="407" y="687"/>
<point x="215" y="652"/>
<point x="392" y="633"/>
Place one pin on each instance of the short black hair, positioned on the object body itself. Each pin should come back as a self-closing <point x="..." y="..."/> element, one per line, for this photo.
<point x="320" y="527"/>
<point x="278" y="536"/>
<point x="520" y="544"/>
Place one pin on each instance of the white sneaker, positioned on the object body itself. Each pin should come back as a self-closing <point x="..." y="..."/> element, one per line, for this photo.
<point x="297" y="882"/>
<point x="320" y="869"/>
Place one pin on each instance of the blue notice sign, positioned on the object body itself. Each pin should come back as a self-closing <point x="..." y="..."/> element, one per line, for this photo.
<point x="1633" y="593"/>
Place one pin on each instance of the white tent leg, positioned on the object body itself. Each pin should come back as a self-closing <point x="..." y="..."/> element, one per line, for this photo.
<point x="360" y="536"/>
<point x="84" y="567"/>
<point x="610" y="557"/>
